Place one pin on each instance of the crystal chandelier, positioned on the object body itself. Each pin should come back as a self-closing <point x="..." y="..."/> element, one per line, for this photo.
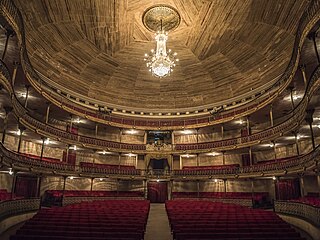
<point x="160" y="61"/>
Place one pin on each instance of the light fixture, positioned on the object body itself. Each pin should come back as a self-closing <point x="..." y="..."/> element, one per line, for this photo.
<point x="131" y="154"/>
<point x="160" y="19"/>
<point x="75" y="147"/>
<point x="10" y="171"/>
<point x="104" y="152"/>
<point x="100" y="179"/>
<point x="187" y="131"/>
<point x="71" y="177"/>
<point x="215" y="180"/>
<point x="18" y="132"/>
<point x="160" y="61"/>
<point x="47" y="141"/>
<point x="274" y="178"/>
<point x="158" y="180"/>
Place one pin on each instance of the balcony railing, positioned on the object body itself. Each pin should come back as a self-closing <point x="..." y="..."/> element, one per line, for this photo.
<point x="244" y="106"/>
<point x="302" y="210"/>
<point x="14" y="207"/>
<point x="298" y="164"/>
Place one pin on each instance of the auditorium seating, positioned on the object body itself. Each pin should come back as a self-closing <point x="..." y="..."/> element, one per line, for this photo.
<point x="54" y="197"/>
<point x="258" y="196"/>
<point x="276" y="160"/>
<point x="227" y="166"/>
<point x="313" y="201"/>
<point x="4" y="195"/>
<point x="193" y="220"/>
<point x="46" y="159"/>
<point x="106" y="166"/>
<point x="112" y="219"/>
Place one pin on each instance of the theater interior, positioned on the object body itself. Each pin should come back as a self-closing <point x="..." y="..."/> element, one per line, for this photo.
<point x="163" y="119"/>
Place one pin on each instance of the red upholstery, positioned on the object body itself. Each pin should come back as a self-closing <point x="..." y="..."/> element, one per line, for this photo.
<point x="106" y="166"/>
<point x="4" y="195"/>
<point x="82" y="193"/>
<point x="191" y="220"/>
<point x="314" y="201"/>
<point x="258" y="196"/>
<point x="229" y="166"/>
<point x="46" y="159"/>
<point x="113" y="219"/>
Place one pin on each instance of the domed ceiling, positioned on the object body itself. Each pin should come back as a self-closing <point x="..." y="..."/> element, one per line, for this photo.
<point x="96" y="48"/>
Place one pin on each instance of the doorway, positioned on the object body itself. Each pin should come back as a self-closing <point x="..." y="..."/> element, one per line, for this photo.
<point x="157" y="191"/>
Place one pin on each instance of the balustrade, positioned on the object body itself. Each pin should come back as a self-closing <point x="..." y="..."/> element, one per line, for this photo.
<point x="260" y="99"/>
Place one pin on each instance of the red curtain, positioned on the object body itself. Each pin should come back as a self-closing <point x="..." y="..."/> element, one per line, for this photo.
<point x="287" y="189"/>
<point x="157" y="192"/>
<point x="26" y="186"/>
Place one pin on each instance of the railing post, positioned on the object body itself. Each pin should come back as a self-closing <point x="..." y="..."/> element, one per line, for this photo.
<point x="5" y="124"/>
<point x="21" y="128"/>
<point x="309" y="120"/>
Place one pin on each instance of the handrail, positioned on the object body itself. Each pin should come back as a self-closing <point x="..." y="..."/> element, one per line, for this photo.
<point x="302" y="210"/>
<point x="14" y="207"/>
<point x="298" y="164"/>
<point x="308" y="19"/>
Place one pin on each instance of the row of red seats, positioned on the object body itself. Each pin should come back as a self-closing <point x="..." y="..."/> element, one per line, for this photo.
<point x="275" y="160"/>
<point x="46" y="159"/>
<point x="258" y="196"/>
<point x="191" y="220"/>
<point x="83" y="193"/>
<point x="4" y="195"/>
<point x="228" y="166"/>
<point x="313" y="201"/>
<point x="106" y="166"/>
<point x="112" y="219"/>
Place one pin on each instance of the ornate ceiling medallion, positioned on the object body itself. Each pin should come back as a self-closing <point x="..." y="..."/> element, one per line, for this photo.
<point x="166" y="14"/>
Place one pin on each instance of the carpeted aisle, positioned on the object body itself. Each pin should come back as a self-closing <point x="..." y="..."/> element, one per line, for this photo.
<point x="158" y="224"/>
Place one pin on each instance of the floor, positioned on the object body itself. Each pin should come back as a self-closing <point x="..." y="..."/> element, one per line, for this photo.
<point x="158" y="224"/>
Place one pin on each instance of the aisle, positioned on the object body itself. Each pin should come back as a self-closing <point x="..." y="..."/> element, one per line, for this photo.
<point x="158" y="224"/>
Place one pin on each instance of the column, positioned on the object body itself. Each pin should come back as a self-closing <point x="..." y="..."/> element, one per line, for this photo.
<point x="13" y="186"/>
<point x="91" y="184"/>
<point x="136" y="161"/>
<point x="252" y="191"/>
<point x="38" y="185"/>
<point x="14" y="73"/>
<point x="67" y="153"/>
<point x="145" y="137"/>
<point x="9" y="33"/>
<point x="198" y="161"/>
<point x="5" y="122"/>
<point x="225" y="187"/>
<point x="250" y="156"/>
<point x="48" y="112"/>
<point x="145" y="190"/>
<point x="181" y="162"/>
<point x="120" y="135"/>
<point x="304" y="76"/>
<point x="27" y="95"/>
<point x="21" y="128"/>
<point x="274" y="149"/>
<point x="96" y="130"/>
<point x="296" y="143"/>
<point x="172" y="138"/>
<point x="119" y="160"/>
<point x="223" y="158"/>
<point x="64" y="185"/>
<point x="42" y="147"/>
<point x="291" y="97"/>
<point x="198" y="189"/>
<point x="301" y="185"/>
<point x="222" y="132"/>
<point x="313" y="37"/>
<point x="276" y="192"/>
<point x="271" y="115"/>
<point x="318" y="181"/>
<point x="248" y="126"/>
<point x="170" y="189"/>
<point x="309" y="120"/>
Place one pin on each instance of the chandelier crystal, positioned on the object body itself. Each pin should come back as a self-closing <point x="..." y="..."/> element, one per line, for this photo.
<point x="160" y="61"/>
